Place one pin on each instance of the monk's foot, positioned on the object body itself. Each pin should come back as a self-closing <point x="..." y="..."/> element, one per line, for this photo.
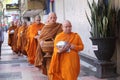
<point x="38" y="65"/>
<point x="47" y="56"/>
<point x="21" y="54"/>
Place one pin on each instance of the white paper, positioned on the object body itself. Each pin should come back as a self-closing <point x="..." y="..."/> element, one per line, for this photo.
<point x="95" y="47"/>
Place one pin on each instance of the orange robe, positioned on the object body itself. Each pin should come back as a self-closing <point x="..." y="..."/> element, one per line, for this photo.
<point x="19" y="38"/>
<point x="27" y="43"/>
<point x="66" y="66"/>
<point x="32" y="32"/>
<point x="24" y="40"/>
<point x="11" y="36"/>
<point x="15" y="40"/>
<point x="48" y="32"/>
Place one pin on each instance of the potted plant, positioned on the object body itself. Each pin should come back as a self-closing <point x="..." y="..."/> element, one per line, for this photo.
<point x="102" y="22"/>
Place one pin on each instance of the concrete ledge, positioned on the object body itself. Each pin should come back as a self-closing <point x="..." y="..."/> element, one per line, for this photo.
<point x="103" y="70"/>
<point x="88" y="59"/>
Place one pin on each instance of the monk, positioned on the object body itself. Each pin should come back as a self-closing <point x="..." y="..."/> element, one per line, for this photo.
<point x="26" y="43"/>
<point x="11" y="30"/>
<point x="32" y="32"/>
<point x="24" y="40"/>
<point x="16" y="37"/>
<point x="49" y="32"/>
<point x="65" y="63"/>
<point x="19" y="40"/>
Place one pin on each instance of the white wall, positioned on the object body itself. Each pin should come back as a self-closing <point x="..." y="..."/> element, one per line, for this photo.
<point x="59" y="9"/>
<point x="74" y="10"/>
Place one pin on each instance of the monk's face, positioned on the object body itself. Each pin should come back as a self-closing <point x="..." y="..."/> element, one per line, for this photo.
<point x="67" y="27"/>
<point x="24" y="24"/>
<point x="37" y="19"/>
<point x="18" y="24"/>
<point x="15" y="23"/>
<point x="12" y="23"/>
<point x="52" y="18"/>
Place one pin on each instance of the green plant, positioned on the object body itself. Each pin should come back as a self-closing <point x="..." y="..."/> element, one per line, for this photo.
<point x="102" y="20"/>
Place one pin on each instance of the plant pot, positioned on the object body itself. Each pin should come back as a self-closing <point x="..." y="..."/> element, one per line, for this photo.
<point x="106" y="48"/>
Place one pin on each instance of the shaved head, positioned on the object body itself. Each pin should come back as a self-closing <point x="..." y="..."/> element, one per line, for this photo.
<point x="67" y="22"/>
<point x="37" y="19"/>
<point x="52" y="17"/>
<point x="52" y="14"/>
<point x="67" y="27"/>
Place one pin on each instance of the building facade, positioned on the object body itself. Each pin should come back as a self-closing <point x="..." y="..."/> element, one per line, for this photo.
<point x="74" y="10"/>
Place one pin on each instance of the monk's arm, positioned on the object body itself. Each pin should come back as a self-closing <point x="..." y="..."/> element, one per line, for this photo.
<point x="79" y="46"/>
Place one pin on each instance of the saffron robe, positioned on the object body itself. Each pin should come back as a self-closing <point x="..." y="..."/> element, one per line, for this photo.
<point x="19" y="44"/>
<point x="24" y="41"/>
<point x="11" y="36"/>
<point x="15" y="40"/>
<point x="49" y="31"/>
<point x="66" y="66"/>
<point x="32" y="32"/>
<point x="27" y="43"/>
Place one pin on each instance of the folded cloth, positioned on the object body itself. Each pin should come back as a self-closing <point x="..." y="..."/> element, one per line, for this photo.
<point x="12" y="31"/>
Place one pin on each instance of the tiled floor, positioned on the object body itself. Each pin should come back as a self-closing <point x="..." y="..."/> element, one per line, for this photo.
<point x="13" y="67"/>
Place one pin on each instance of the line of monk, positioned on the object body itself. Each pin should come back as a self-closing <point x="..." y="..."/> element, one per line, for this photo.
<point x="38" y="42"/>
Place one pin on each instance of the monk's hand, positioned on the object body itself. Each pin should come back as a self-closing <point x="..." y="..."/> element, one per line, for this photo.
<point x="36" y="37"/>
<point x="65" y="48"/>
<point x="72" y="46"/>
<point x="61" y="50"/>
<point x="41" y="43"/>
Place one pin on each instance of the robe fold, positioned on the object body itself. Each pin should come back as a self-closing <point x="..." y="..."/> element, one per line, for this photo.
<point x="15" y="40"/>
<point x="27" y="43"/>
<point x="24" y="41"/>
<point x="66" y="66"/>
